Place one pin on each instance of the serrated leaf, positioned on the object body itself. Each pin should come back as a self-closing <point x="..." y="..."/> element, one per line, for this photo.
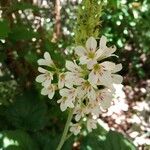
<point x="27" y="112"/>
<point x="16" y="140"/>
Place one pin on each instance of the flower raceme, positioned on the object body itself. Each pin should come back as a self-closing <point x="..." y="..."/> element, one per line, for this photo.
<point x="87" y="87"/>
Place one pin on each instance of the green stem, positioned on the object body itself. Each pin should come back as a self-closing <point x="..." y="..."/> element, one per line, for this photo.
<point x="64" y="135"/>
<point x="68" y="136"/>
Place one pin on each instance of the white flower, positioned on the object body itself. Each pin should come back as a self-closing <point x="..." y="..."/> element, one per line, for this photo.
<point x="75" y="128"/>
<point x="45" y="78"/>
<point x="94" y="108"/>
<point x="101" y="73"/>
<point x="79" y="112"/>
<point x="88" y="55"/>
<point x="74" y="75"/>
<point x="86" y="89"/>
<point x="68" y="98"/>
<point x="102" y="102"/>
<point x="105" y="51"/>
<point x="91" y="54"/>
<point x="117" y="79"/>
<point x="61" y="81"/>
<point x="70" y="93"/>
<point x="65" y="102"/>
<point x="104" y="98"/>
<point x="47" y="61"/>
<point x="49" y="90"/>
<point x="91" y="124"/>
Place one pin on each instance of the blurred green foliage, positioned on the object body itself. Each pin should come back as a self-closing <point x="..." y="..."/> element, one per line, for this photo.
<point x="31" y="121"/>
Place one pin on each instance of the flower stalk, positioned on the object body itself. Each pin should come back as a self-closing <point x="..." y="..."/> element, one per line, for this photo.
<point x="88" y="20"/>
<point x="64" y="135"/>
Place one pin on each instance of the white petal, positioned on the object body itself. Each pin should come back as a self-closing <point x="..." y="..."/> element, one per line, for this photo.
<point x="118" y="67"/>
<point x="105" y="79"/>
<point x="51" y="94"/>
<point x="42" y="70"/>
<point x="48" y="57"/>
<point x="92" y="94"/>
<point x="60" y="100"/>
<point x="106" y="95"/>
<point x="47" y="61"/>
<point x="93" y="78"/>
<point x="103" y="42"/>
<point x="83" y="60"/>
<point x="77" y="117"/>
<point x="99" y="53"/>
<point x="64" y="92"/>
<point x="61" y="81"/>
<point x="70" y="104"/>
<point x="112" y="49"/>
<point x="69" y="79"/>
<point x="68" y="84"/>
<point x="78" y="81"/>
<point x="108" y="65"/>
<point x="80" y="51"/>
<point x="70" y="65"/>
<point x="40" y="78"/>
<point x="91" y="44"/>
<point x="105" y="104"/>
<point x="80" y="92"/>
<point x="112" y="88"/>
<point x="44" y="91"/>
<point x="61" y="84"/>
<point x="91" y="63"/>
<point x="117" y="79"/>
<point x="75" y="128"/>
<point x="46" y="83"/>
<point x="42" y="62"/>
<point x="70" y="76"/>
<point x="63" y="106"/>
<point x="91" y="124"/>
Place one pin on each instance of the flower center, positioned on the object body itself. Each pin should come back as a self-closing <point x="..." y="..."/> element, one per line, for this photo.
<point x="91" y="55"/>
<point x="47" y="75"/>
<point x="64" y="98"/>
<point x="86" y="85"/>
<point x="50" y="88"/>
<point x="62" y="77"/>
<point x="97" y="67"/>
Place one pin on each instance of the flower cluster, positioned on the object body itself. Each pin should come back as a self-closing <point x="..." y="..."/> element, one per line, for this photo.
<point x="87" y="84"/>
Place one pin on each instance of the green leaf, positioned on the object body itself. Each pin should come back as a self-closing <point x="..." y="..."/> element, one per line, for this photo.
<point x="16" y="140"/>
<point x="27" y="112"/>
<point x="21" y="32"/>
<point x="117" y="141"/>
<point x="111" y="141"/>
<point x="4" y="29"/>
